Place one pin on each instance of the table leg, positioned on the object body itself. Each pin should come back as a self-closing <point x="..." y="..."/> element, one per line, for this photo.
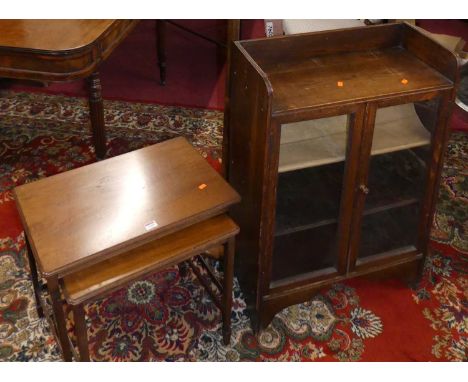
<point x="81" y="332"/>
<point x="227" y="289"/>
<point x="59" y="317"/>
<point x="96" y="114"/>
<point x="161" y="49"/>
<point x="35" y="279"/>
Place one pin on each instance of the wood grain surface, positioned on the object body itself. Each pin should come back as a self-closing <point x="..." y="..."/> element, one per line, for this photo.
<point x="164" y="252"/>
<point x="51" y="35"/>
<point x="85" y="215"/>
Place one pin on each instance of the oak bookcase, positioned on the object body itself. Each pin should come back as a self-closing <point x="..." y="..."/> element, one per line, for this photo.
<point x="335" y="142"/>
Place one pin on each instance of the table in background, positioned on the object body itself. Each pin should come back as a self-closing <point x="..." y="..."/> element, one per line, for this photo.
<point x="63" y="50"/>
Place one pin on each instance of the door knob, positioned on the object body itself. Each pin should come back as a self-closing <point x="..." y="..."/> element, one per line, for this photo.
<point x="363" y="188"/>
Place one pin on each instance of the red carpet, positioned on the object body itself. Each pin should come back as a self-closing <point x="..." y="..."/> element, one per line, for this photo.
<point x="41" y="135"/>
<point x="356" y="321"/>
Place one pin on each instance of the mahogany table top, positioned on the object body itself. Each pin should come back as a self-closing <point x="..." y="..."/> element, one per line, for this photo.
<point x="51" y="35"/>
<point x="83" y="216"/>
<point x="167" y="251"/>
<point x="57" y="50"/>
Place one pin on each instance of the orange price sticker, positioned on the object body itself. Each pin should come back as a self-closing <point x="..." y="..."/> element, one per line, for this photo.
<point x="202" y="186"/>
<point x="340" y="84"/>
<point x="404" y="81"/>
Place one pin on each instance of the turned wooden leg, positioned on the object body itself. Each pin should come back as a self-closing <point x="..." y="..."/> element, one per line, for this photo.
<point x="80" y="332"/>
<point x="161" y="49"/>
<point x="59" y="317"/>
<point x="227" y="289"/>
<point x="96" y="113"/>
<point x="35" y="279"/>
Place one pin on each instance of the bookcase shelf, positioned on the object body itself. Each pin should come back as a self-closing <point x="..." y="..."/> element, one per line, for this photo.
<point x="323" y="141"/>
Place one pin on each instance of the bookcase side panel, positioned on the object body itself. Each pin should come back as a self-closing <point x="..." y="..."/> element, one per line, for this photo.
<point x="431" y="52"/>
<point x="247" y="168"/>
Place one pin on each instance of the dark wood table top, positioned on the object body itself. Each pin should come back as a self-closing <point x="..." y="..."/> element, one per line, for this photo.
<point x="51" y="35"/>
<point x="83" y="216"/>
<point x="313" y="71"/>
<point x="57" y="50"/>
<point x="167" y="251"/>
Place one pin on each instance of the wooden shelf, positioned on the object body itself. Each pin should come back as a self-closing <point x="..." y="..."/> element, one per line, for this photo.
<point x="391" y="188"/>
<point x="308" y="197"/>
<point x="294" y="255"/>
<point x="323" y="141"/>
<point x="388" y="230"/>
<point x="383" y="231"/>
<point x="307" y="212"/>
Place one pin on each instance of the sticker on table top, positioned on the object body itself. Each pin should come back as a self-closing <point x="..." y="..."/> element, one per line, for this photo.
<point x="151" y="225"/>
<point x="202" y="186"/>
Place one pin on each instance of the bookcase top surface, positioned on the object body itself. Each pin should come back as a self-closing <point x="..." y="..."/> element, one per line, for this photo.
<point x="362" y="76"/>
<point x="347" y="66"/>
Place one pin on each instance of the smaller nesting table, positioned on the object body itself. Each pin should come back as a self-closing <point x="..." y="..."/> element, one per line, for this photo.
<point x="89" y="284"/>
<point x="75" y="221"/>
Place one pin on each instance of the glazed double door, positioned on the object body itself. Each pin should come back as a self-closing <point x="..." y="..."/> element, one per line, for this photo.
<point x="355" y="190"/>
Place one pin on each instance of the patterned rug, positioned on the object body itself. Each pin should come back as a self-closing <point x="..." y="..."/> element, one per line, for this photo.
<point x="170" y="317"/>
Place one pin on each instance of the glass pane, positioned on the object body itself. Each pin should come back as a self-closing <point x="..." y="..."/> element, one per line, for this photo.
<point x="397" y="172"/>
<point x="311" y="169"/>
